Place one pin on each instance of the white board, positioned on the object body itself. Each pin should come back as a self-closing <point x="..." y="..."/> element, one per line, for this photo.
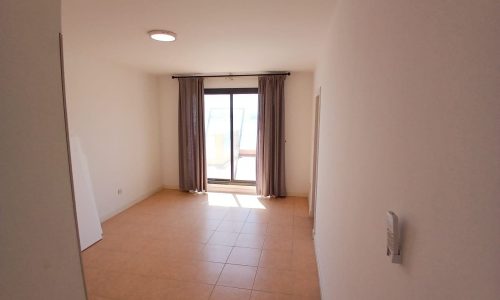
<point x="89" y="226"/>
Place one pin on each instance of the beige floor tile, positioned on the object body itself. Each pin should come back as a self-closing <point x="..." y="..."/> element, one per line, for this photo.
<point x="301" y="210"/>
<point x="223" y="238"/>
<point x="184" y="250"/>
<point x="303" y="222"/>
<point x="186" y="220"/>
<point x="303" y="247"/>
<point x="116" y="261"/>
<point x="111" y="241"/>
<point x="229" y="293"/>
<point x="215" y="213"/>
<point x="278" y="243"/>
<point x="306" y="297"/>
<point x="276" y="259"/>
<point x="160" y="233"/>
<point x="151" y="288"/>
<point x="174" y="250"/>
<point x="230" y="226"/>
<point x="304" y="263"/>
<point x="244" y="256"/>
<point x="281" y="218"/>
<point x="193" y="271"/>
<point x="215" y="253"/>
<point x="306" y="284"/>
<point x="302" y="233"/>
<point x="237" y="276"/>
<point x="206" y="272"/>
<point x="250" y="240"/>
<point x="95" y="297"/>
<point x="91" y="257"/>
<point x="274" y="280"/>
<point x="255" y="228"/>
<point x="197" y="236"/>
<point x="237" y="214"/>
<point x="209" y="224"/>
<point x="156" y="247"/>
<point x="117" y="225"/>
<point x="280" y="230"/>
<point x="190" y="291"/>
<point x="148" y="265"/>
<point x="115" y="285"/>
<point x="258" y="216"/>
<point x="93" y="279"/>
<point x="174" y="245"/>
<point x="281" y="206"/>
<point x="108" y="260"/>
<point x="259" y="295"/>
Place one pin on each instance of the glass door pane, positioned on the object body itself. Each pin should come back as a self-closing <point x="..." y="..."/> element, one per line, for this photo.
<point x="245" y="110"/>
<point x="218" y="136"/>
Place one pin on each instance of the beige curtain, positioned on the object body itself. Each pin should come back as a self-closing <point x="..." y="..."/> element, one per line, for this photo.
<point x="271" y="136"/>
<point x="192" y="158"/>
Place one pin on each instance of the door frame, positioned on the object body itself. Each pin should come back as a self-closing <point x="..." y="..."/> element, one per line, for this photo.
<point x="314" y="181"/>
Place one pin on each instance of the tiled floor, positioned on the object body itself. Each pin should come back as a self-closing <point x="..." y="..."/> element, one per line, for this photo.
<point x="177" y="245"/>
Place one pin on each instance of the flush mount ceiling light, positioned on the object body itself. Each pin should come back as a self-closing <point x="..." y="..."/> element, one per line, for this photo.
<point x="162" y="35"/>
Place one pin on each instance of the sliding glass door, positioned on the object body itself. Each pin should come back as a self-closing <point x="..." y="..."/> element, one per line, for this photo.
<point x="231" y="135"/>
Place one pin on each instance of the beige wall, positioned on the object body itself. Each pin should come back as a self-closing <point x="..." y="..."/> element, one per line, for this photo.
<point x="298" y="126"/>
<point x="298" y="93"/>
<point x="410" y="123"/>
<point x="114" y="111"/>
<point x="169" y="141"/>
<point x="39" y="252"/>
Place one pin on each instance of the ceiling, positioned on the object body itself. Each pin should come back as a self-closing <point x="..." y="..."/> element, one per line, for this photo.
<point x="212" y="35"/>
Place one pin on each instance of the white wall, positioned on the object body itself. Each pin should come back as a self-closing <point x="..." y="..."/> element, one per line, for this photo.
<point x="298" y="118"/>
<point x="114" y="111"/>
<point x="410" y="123"/>
<point x="39" y="252"/>
<point x="169" y="141"/>
<point x="298" y="130"/>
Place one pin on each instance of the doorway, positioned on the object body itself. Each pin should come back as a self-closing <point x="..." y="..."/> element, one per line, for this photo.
<point x="231" y="135"/>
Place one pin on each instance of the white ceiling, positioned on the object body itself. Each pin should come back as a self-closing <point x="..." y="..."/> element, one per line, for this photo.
<point x="212" y="35"/>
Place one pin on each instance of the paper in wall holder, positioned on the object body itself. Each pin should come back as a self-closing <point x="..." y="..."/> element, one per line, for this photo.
<point x="393" y="238"/>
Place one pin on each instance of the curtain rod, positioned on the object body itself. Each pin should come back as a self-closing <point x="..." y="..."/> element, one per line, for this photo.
<point x="228" y="75"/>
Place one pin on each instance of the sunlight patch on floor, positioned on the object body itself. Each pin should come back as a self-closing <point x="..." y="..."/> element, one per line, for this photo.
<point x="249" y="201"/>
<point x="234" y="200"/>
<point x="222" y="199"/>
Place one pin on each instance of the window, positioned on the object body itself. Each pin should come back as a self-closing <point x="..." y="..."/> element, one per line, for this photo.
<point x="231" y="135"/>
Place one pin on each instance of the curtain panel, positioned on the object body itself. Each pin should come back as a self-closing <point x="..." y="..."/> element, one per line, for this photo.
<point x="271" y="136"/>
<point x="192" y="157"/>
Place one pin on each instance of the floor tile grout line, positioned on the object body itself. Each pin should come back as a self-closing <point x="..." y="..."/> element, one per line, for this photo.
<point x="213" y="289"/>
<point x="232" y="287"/>
<point x="242" y="265"/>
<point x="257" y="270"/>
<point x="232" y="248"/>
<point x="220" y="274"/>
<point x="164" y="278"/>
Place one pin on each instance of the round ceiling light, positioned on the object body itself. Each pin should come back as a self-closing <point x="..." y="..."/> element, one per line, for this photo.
<point x="162" y="35"/>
